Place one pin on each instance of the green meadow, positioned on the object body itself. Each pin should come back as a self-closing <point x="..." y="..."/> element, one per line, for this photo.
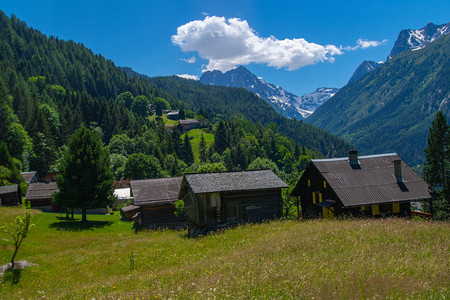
<point x="321" y="259"/>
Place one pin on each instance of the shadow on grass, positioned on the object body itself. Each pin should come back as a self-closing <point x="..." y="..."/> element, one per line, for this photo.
<point x="12" y="276"/>
<point x="72" y="225"/>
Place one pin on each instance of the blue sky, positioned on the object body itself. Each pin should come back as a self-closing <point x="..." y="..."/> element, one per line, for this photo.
<point x="299" y="45"/>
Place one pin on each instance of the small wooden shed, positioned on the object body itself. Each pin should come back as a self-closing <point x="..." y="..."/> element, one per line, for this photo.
<point x="214" y="200"/>
<point x="373" y="185"/>
<point x="156" y="198"/>
<point x="10" y="195"/>
<point x="30" y="177"/>
<point x="39" y="194"/>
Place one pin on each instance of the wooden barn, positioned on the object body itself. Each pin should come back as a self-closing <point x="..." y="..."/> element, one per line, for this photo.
<point x="39" y="195"/>
<point x="30" y="177"/>
<point x="375" y="185"/>
<point x="155" y="199"/>
<point x="10" y="195"/>
<point x="214" y="200"/>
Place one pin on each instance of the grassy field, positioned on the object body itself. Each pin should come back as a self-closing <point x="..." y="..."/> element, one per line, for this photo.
<point x="195" y="137"/>
<point x="387" y="258"/>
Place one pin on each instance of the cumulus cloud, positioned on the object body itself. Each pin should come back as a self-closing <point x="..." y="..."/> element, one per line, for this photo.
<point x="189" y="60"/>
<point x="226" y="43"/>
<point x="188" y="76"/>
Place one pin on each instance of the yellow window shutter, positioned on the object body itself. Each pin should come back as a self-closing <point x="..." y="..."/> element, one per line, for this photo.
<point x="396" y="208"/>
<point x="309" y="182"/>
<point x="363" y="207"/>
<point x="314" y="198"/>
<point x="320" y="197"/>
<point x="324" y="184"/>
<point x="375" y="210"/>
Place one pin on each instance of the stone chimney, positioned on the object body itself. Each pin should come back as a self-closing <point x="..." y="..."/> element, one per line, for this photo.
<point x="398" y="170"/>
<point x="353" y="157"/>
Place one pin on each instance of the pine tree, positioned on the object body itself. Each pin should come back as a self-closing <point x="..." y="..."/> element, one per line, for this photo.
<point x="436" y="169"/>
<point x="202" y="151"/>
<point x="85" y="179"/>
<point x="187" y="154"/>
<point x="221" y="138"/>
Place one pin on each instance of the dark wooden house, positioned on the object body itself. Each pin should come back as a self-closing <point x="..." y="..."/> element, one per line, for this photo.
<point x="39" y="195"/>
<point x="375" y="185"/>
<point x="30" y="177"/>
<point x="214" y="200"/>
<point x="187" y="125"/>
<point x="10" y="195"/>
<point x="155" y="199"/>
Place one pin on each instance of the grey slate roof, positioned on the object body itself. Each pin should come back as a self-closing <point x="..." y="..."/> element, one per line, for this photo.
<point x="155" y="191"/>
<point x="7" y="189"/>
<point x="373" y="182"/>
<point x="41" y="190"/>
<point x="27" y="176"/>
<point x="234" y="181"/>
<point x="129" y="208"/>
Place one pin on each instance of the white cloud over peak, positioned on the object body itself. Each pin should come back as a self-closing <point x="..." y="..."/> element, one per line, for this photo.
<point x="189" y="60"/>
<point x="226" y="43"/>
<point x="188" y="76"/>
<point x="364" y="44"/>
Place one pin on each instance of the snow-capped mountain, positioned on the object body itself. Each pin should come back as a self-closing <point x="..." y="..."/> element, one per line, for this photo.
<point x="364" y="68"/>
<point x="284" y="102"/>
<point x="416" y="39"/>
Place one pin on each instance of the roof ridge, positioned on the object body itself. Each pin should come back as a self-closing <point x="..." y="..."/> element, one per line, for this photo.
<point x="359" y="157"/>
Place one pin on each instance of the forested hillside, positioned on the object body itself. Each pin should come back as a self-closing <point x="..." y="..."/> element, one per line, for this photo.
<point x="228" y="103"/>
<point x="391" y="109"/>
<point x="50" y="87"/>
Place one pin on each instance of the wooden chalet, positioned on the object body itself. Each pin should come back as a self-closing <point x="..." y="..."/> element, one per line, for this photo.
<point x="173" y="115"/>
<point x="155" y="199"/>
<point x="189" y="124"/>
<point x="39" y="195"/>
<point x="10" y="195"/>
<point x="214" y="200"/>
<point x="30" y="177"/>
<point x="375" y="185"/>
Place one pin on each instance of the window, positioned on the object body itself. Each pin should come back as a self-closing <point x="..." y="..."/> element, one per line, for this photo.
<point x="395" y="208"/>
<point x="375" y="210"/>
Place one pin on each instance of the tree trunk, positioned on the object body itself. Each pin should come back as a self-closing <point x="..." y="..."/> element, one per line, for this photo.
<point x="83" y="215"/>
<point x="14" y="256"/>
<point x="71" y="211"/>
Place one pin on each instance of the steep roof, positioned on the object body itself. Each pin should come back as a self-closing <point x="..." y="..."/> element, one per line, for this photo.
<point x="155" y="191"/>
<point x="234" y="181"/>
<point x="371" y="181"/>
<point x="41" y="190"/>
<point x="27" y="176"/>
<point x="8" y="189"/>
<point x="187" y="122"/>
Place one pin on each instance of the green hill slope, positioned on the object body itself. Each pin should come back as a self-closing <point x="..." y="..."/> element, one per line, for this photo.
<point x="392" y="108"/>
<point x="227" y="103"/>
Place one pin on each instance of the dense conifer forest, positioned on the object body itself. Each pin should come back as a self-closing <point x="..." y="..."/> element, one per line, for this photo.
<point x="49" y="88"/>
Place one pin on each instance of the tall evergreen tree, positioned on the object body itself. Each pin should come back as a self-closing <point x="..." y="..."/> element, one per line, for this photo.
<point x="436" y="169"/>
<point x="221" y="138"/>
<point x="187" y="154"/>
<point x="85" y="179"/>
<point x="202" y="151"/>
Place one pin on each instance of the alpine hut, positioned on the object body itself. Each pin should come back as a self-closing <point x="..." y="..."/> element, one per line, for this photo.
<point x="155" y="200"/>
<point x="375" y="185"/>
<point x="214" y="200"/>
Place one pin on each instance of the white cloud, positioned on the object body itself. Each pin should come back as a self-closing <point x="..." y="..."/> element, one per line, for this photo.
<point x="228" y="43"/>
<point x="189" y="60"/>
<point x="364" y="44"/>
<point x="188" y="76"/>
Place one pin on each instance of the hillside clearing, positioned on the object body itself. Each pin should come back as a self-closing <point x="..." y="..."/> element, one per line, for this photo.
<point x="394" y="258"/>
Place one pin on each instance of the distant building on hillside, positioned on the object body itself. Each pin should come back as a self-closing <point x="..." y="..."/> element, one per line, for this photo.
<point x="39" y="195"/>
<point x="375" y="185"/>
<point x="30" y="177"/>
<point x="173" y="115"/>
<point x="214" y="200"/>
<point x="189" y="124"/>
